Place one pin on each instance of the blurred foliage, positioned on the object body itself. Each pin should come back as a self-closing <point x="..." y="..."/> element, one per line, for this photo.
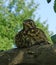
<point x="48" y="1"/>
<point x="43" y="26"/>
<point x="54" y="38"/>
<point x="54" y="7"/>
<point x="12" y="14"/>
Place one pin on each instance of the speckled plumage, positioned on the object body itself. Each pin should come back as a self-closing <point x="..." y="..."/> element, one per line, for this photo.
<point x="30" y="35"/>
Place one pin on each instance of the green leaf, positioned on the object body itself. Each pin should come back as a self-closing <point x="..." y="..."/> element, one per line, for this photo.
<point x="48" y="1"/>
<point x="55" y="5"/>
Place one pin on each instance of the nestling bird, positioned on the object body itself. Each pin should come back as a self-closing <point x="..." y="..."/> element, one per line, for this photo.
<point x="30" y="35"/>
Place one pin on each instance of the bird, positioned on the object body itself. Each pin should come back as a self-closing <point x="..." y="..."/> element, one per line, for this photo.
<point x="30" y="35"/>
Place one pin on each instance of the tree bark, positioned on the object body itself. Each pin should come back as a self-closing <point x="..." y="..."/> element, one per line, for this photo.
<point x="36" y="55"/>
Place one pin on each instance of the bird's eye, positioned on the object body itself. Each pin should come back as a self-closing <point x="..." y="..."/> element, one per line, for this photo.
<point x="28" y="22"/>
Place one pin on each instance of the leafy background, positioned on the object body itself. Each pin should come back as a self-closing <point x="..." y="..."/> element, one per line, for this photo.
<point x="12" y="14"/>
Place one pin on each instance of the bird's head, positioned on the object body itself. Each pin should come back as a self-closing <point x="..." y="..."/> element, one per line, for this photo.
<point x="27" y="24"/>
